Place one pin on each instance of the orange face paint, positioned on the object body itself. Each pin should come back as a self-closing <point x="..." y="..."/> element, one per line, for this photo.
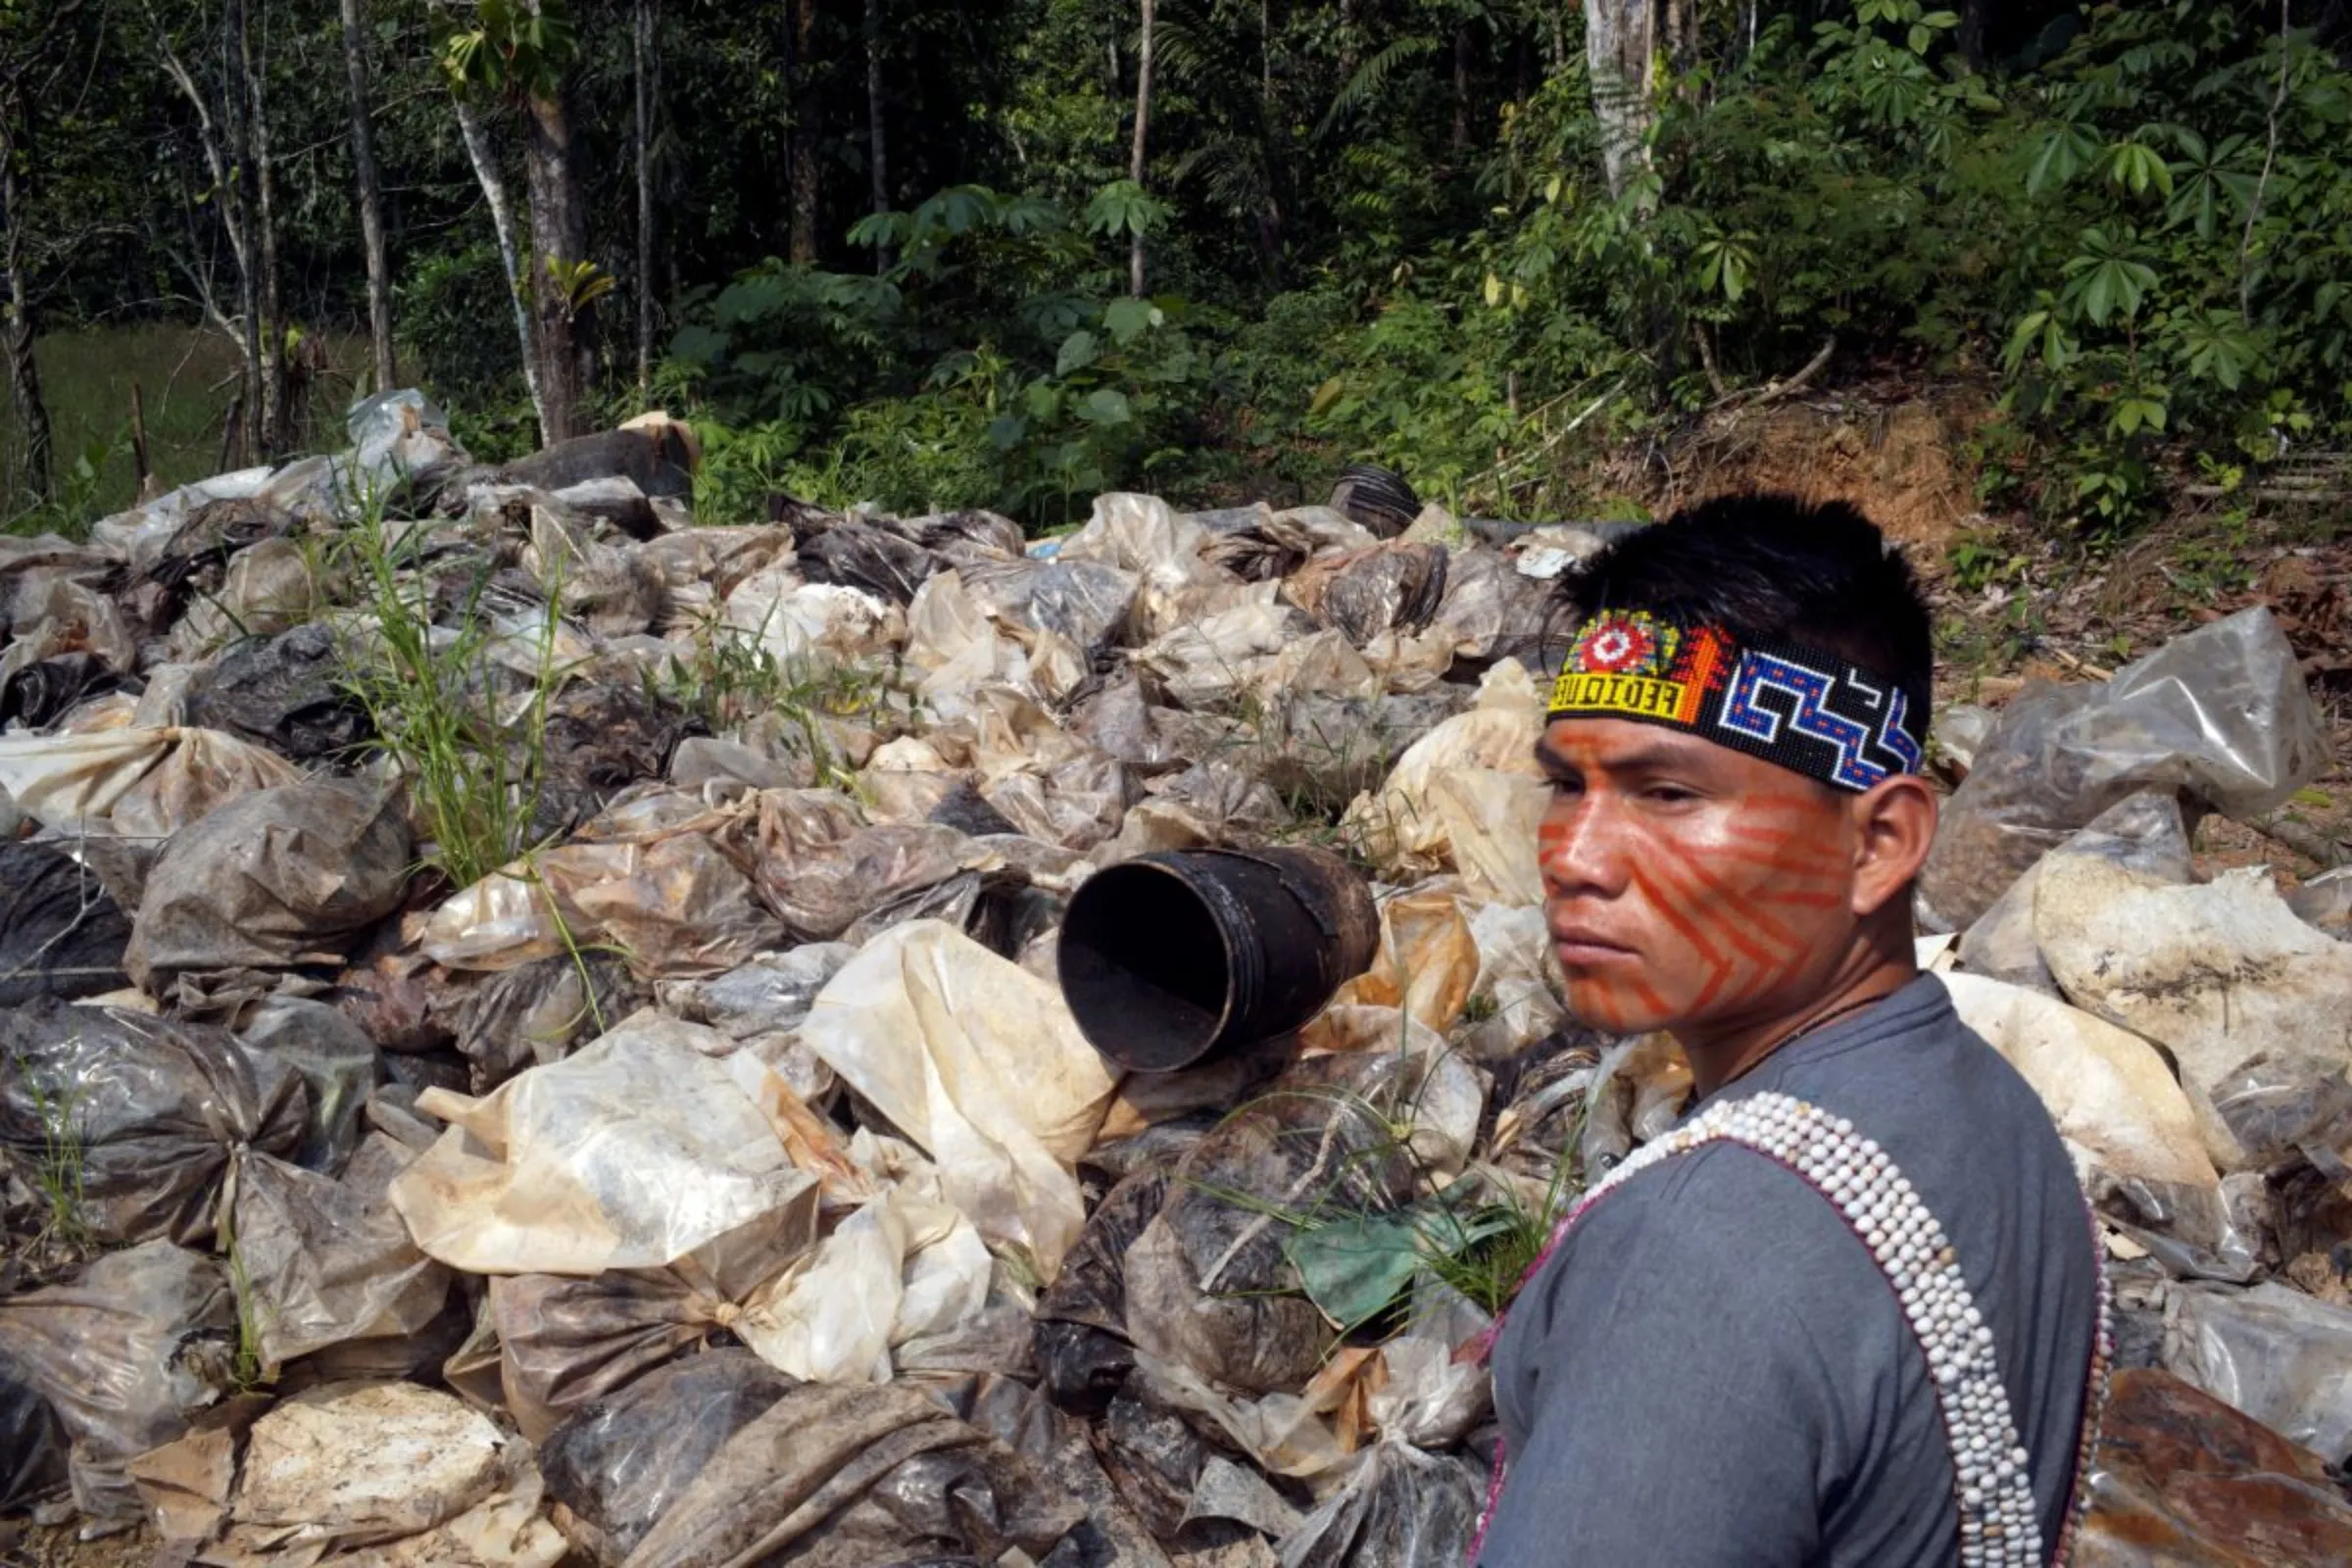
<point x="1687" y="886"/>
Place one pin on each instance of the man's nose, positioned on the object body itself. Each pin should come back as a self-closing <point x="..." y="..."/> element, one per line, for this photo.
<point x="1578" y="848"/>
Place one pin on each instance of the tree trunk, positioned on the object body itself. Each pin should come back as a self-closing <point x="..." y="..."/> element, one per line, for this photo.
<point x="1143" y="134"/>
<point x="1461" y="88"/>
<point x="502" y="219"/>
<point x="878" y="161"/>
<point x="372" y="199"/>
<point x="558" y="236"/>
<point x="645" y="200"/>
<point x="251" y="429"/>
<point x="1973" y="15"/>
<point x="277" y="433"/>
<point x="1269" y="120"/>
<point x="1621" y="39"/>
<point x="23" y="323"/>
<point x="803" y="110"/>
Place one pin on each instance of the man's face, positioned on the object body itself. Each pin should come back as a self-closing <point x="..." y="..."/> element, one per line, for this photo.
<point x="1687" y="886"/>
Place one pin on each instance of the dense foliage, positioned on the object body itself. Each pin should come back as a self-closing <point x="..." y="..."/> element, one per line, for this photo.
<point x="890" y="244"/>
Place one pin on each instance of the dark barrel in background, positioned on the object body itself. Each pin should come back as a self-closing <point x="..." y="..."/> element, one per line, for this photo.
<point x="1167" y="960"/>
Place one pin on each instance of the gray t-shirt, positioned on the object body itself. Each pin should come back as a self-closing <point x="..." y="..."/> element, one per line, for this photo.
<point x="1711" y="1371"/>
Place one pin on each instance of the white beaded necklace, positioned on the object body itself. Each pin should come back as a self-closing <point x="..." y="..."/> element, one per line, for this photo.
<point x="1992" y="1486"/>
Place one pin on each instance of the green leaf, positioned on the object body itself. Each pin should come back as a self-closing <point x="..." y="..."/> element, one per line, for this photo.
<point x="1126" y="319"/>
<point x="1105" y="406"/>
<point x="1078" y="351"/>
<point x="1353" y="1268"/>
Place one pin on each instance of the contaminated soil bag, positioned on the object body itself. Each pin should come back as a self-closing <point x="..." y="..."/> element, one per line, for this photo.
<point x="146" y="1113"/>
<point x="2221" y="974"/>
<point x="286" y="694"/>
<point x="126" y="1354"/>
<point x="1400" y="1508"/>
<point x="32" y="1444"/>
<point x="981" y="1066"/>
<point x="328" y="1260"/>
<point x="853" y="1476"/>
<point x="2143" y="832"/>
<point x="622" y="1461"/>
<point x="522" y="1183"/>
<point x="278" y="879"/>
<point x="2220" y="714"/>
<point x="1406" y="826"/>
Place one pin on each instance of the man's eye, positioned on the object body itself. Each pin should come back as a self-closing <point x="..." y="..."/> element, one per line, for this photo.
<point x="1565" y="786"/>
<point x="1669" y="793"/>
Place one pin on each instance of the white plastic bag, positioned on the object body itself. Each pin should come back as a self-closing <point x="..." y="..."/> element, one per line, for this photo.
<point x="980" y="1063"/>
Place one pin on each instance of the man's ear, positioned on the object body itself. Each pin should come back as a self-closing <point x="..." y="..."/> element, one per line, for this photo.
<point x="1894" y="823"/>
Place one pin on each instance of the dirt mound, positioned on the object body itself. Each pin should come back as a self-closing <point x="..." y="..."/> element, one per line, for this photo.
<point x="1904" y="464"/>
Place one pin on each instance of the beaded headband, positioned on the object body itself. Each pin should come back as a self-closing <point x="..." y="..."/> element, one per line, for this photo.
<point x="1807" y="710"/>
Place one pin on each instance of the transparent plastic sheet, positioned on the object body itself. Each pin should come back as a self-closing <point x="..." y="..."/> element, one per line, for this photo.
<point x="852" y="1476"/>
<point x="267" y="589"/>
<point x="328" y="1260"/>
<point x="63" y="617"/>
<point x="70" y="783"/>
<point x="61" y="931"/>
<point x="1491" y="611"/>
<point x="2176" y="963"/>
<point x="1519" y="976"/>
<point x="1360" y="594"/>
<point x="796" y="620"/>
<point x="274" y="880"/>
<point x="519" y="1183"/>
<point x="540" y="1012"/>
<point x="1210" y="1284"/>
<point x="2181" y="1478"/>
<point x="2142" y="832"/>
<point x="1405" y="824"/>
<point x="125" y="1354"/>
<point x="1209" y="663"/>
<point x="980" y="1064"/>
<point x="822" y="888"/>
<point x="1400" y="1508"/>
<point x="620" y="1462"/>
<point x="153" y="1111"/>
<point x="772" y="993"/>
<point x="203" y="771"/>
<point x="1427" y="963"/>
<point x="2325" y="902"/>
<point x="1086" y="601"/>
<point x="336" y="1061"/>
<point x="2279" y="1356"/>
<point x="2221" y="714"/>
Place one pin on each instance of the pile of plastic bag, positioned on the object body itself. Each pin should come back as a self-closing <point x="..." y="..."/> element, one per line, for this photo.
<point x="725" y="1178"/>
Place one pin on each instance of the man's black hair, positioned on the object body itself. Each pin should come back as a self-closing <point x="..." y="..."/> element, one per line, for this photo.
<point x="1772" y="567"/>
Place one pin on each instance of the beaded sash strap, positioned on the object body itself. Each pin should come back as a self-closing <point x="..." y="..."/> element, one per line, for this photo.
<point x="1993" y="1487"/>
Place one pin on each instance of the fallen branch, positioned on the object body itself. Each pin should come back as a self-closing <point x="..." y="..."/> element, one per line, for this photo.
<point x="2326" y="850"/>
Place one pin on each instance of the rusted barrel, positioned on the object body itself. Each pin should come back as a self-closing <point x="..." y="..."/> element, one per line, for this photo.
<point x="1167" y="960"/>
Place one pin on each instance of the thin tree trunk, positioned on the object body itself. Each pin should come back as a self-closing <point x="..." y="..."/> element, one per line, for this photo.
<point x="1973" y="15"/>
<point x="23" y="323"/>
<point x="803" y="110"/>
<point x="251" y="430"/>
<point x="645" y="201"/>
<point x="502" y="219"/>
<point x="1620" y="42"/>
<point x="878" y="159"/>
<point x="1143" y="134"/>
<point x="1461" y="88"/>
<point x="277" y="433"/>
<point x="372" y="199"/>
<point x="1269" y="118"/>
<point x="559" y="236"/>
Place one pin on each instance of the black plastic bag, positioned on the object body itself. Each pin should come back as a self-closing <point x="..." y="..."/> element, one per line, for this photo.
<point x="859" y="555"/>
<point x="135" y="1119"/>
<point x="1400" y="1508"/>
<point x="619" y="1463"/>
<point x="32" y="1443"/>
<point x="1082" y="1346"/>
<point x="285" y="694"/>
<point x="62" y="934"/>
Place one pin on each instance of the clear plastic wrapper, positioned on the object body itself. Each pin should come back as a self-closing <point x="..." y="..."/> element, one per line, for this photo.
<point x="2220" y="714"/>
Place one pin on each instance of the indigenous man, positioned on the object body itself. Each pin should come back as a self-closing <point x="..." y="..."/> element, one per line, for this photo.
<point x="1850" y="1312"/>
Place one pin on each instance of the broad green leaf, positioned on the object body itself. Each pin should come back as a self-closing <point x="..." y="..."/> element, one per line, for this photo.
<point x="1078" y="351"/>
<point x="1105" y="406"/>
<point x="1126" y="319"/>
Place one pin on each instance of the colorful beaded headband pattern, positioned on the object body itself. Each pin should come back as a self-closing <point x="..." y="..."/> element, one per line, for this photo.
<point x="1807" y="710"/>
